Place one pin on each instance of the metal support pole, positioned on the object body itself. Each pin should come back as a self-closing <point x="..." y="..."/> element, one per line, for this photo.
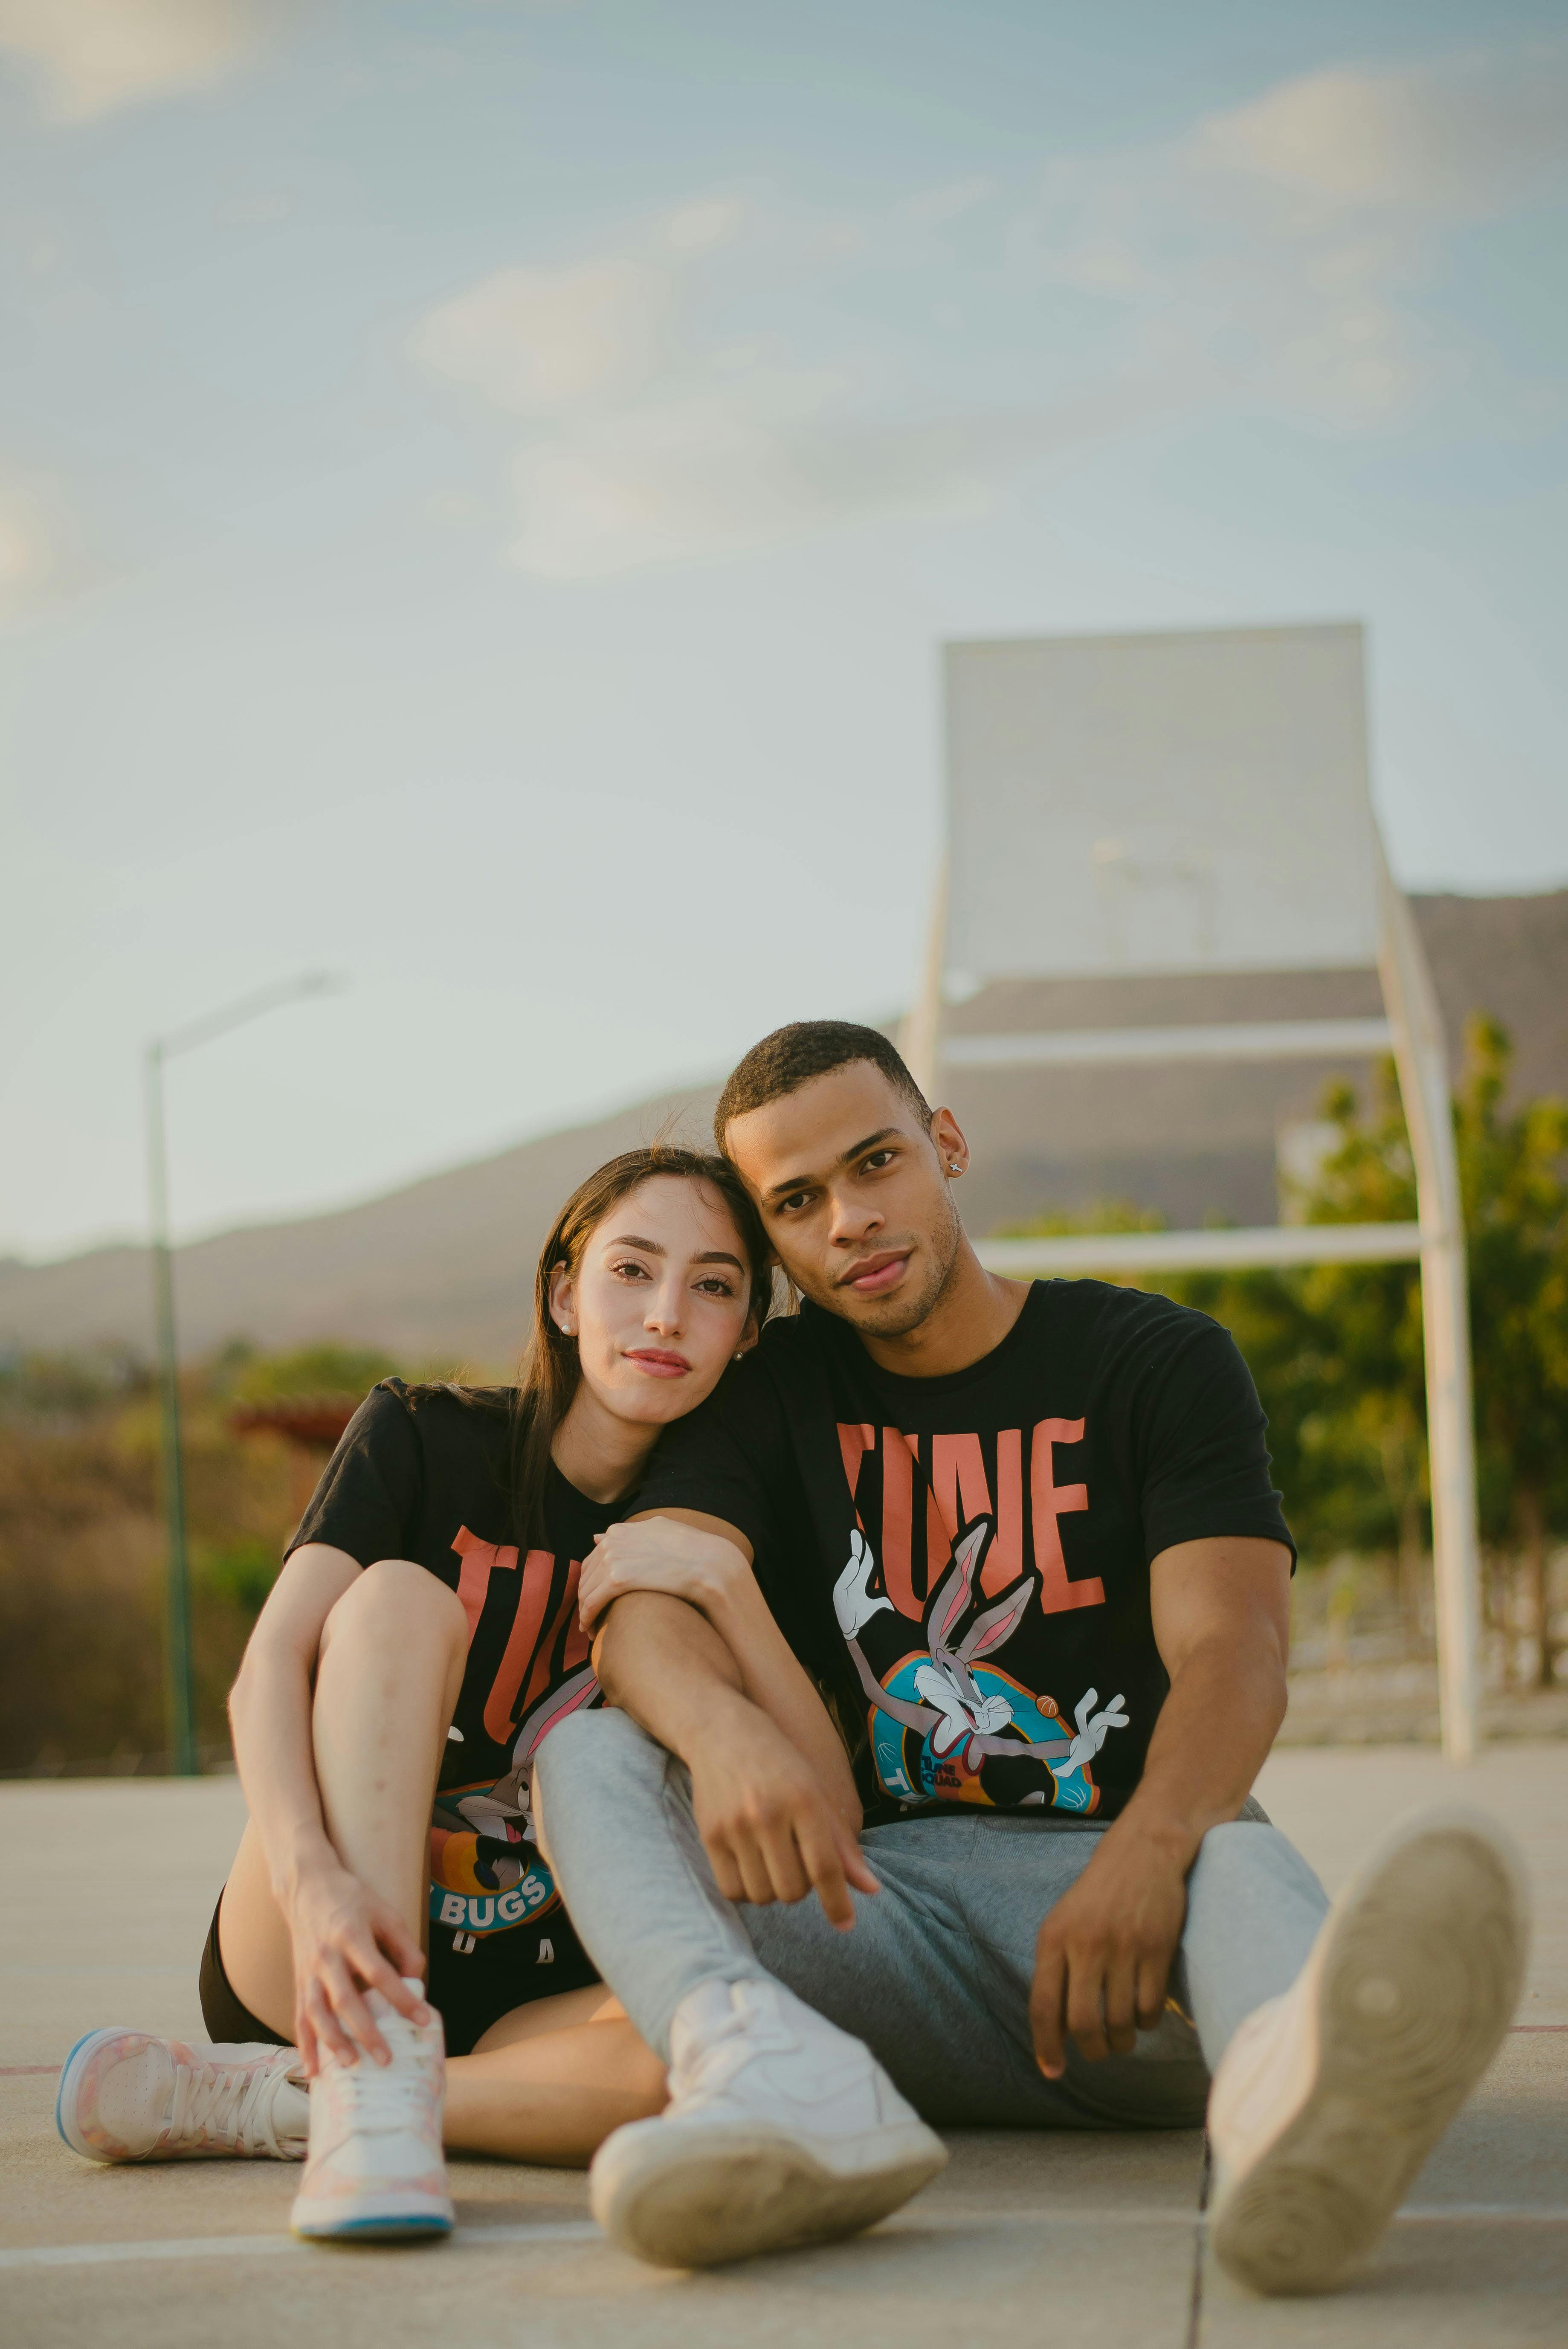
<point x="180" y="1697"/>
<point x="181" y="1702"/>
<point x="1421" y="1055"/>
<point x="920" y="1037"/>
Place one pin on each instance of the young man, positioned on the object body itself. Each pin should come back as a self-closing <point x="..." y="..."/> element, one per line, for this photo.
<point x="1026" y="1535"/>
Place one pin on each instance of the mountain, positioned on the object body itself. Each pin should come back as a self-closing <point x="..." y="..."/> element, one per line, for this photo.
<point x="443" y="1265"/>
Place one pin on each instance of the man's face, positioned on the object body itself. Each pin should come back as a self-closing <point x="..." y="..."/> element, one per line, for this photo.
<point x="854" y="1195"/>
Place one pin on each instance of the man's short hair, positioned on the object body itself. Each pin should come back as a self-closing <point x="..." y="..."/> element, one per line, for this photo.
<point x="792" y="1056"/>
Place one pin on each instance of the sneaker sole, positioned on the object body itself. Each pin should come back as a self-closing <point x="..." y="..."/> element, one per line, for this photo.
<point x="710" y="2197"/>
<point x="385" y="2219"/>
<point x="1419" y="1978"/>
<point x="70" y="2072"/>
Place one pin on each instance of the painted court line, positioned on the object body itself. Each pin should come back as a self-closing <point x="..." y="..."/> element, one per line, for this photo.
<point x="232" y="2247"/>
<point x="1546" y="2214"/>
<point x="76" y="1973"/>
<point x="584" y="2230"/>
<point x="51" y="2071"/>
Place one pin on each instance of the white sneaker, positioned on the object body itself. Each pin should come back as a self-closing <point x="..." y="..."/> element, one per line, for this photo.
<point x="127" y="2097"/>
<point x="780" y="2130"/>
<point x="376" y="2166"/>
<point x="1328" y="2100"/>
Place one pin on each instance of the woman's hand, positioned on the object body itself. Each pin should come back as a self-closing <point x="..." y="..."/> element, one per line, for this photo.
<point x="660" y="1553"/>
<point x="346" y="1941"/>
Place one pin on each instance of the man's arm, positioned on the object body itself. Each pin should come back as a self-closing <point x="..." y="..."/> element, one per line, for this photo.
<point x="687" y="1554"/>
<point x="767" y="1826"/>
<point x="1221" y="1623"/>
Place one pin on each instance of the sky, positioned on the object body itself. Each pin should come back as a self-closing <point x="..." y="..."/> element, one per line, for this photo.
<point x="483" y="488"/>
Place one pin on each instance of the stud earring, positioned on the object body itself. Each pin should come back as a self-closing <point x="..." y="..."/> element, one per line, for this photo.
<point x="954" y="1167"/>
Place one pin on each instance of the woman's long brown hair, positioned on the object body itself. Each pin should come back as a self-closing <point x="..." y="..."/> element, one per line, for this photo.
<point x="550" y="1371"/>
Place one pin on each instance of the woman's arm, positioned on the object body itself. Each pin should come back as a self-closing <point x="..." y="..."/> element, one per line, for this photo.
<point x="708" y="1563"/>
<point x="329" y="1913"/>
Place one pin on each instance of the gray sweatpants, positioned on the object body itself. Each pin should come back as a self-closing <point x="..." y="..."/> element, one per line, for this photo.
<point x="936" y="1975"/>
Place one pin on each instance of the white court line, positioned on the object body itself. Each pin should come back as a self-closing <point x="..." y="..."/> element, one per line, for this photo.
<point x="584" y="2230"/>
<point x="107" y="1972"/>
<point x="233" y="2247"/>
<point x="1430" y="2213"/>
<point x="1072" y="2215"/>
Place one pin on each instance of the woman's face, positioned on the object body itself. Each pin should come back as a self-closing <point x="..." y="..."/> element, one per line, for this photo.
<point x="660" y="1301"/>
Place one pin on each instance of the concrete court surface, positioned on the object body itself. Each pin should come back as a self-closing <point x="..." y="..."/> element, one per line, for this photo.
<point x="1087" y="2240"/>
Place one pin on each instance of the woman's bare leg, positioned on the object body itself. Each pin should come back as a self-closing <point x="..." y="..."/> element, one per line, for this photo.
<point x="547" y="2082"/>
<point x="392" y="1656"/>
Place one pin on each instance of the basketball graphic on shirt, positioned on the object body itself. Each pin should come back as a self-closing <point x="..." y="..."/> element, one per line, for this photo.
<point x="486" y="1881"/>
<point x="948" y="1764"/>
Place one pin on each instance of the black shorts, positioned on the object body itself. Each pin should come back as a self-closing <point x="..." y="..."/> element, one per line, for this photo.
<point x="470" y="1988"/>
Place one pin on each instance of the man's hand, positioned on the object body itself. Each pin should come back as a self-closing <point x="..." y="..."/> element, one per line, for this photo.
<point x="1221" y="1623"/>
<point x="767" y="1827"/>
<point x="1104" y="1952"/>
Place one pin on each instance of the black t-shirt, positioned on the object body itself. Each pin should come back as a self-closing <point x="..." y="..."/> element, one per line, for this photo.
<point x="967" y="1557"/>
<point x="421" y="1475"/>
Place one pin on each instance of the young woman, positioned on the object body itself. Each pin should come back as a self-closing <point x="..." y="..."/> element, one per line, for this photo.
<point x="420" y="1641"/>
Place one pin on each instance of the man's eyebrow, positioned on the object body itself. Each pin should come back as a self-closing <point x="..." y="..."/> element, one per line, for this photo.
<point x="856" y="1150"/>
<point x="652" y="1247"/>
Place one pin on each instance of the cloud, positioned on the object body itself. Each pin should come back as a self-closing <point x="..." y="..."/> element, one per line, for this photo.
<point x="696" y="228"/>
<point x="534" y="341"/>
<point x="1275" y="259"/>
<point x="650" y="447"/>
<point x="710" y="472"/>
<point x="714" y="478"/>
<point x="90" y="58"/>
<point x="738" y="376"/>
<point x="651" y="440"/>
<point x="37" y="558"/>
<point x="1470" y="136"/>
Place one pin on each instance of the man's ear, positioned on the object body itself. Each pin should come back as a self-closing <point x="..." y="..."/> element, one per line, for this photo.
<point x="947" y="1141"/>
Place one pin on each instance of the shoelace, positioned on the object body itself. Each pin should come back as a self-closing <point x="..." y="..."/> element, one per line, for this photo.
<point x="381" y="2097"/>
<point x="226" y="2103"/>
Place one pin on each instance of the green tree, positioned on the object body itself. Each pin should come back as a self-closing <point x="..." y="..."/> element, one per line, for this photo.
<point x="1337" y="1352"/>
<point x="324" y="1369"/>
<point x="1513" y="1181"/>
<point x="1513" y="1167"/>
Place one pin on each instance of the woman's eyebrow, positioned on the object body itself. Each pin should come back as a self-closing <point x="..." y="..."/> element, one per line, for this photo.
<point x="652" y="1247"/>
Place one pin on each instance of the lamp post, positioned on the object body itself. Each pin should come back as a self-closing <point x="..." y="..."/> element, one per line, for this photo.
<point x="177" y="1580"/>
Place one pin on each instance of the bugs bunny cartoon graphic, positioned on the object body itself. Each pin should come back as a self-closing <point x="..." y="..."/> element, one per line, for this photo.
<point x="504" y="1812"/>
<point x="961" y="1722"/>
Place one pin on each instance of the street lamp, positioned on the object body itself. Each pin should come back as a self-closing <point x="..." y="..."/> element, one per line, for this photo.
<point x="176" y="1586"/>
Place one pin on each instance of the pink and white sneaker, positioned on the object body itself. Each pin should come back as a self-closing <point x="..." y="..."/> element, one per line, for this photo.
<point x="125" y="2095"/>
<point x="376" y="2167"/>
